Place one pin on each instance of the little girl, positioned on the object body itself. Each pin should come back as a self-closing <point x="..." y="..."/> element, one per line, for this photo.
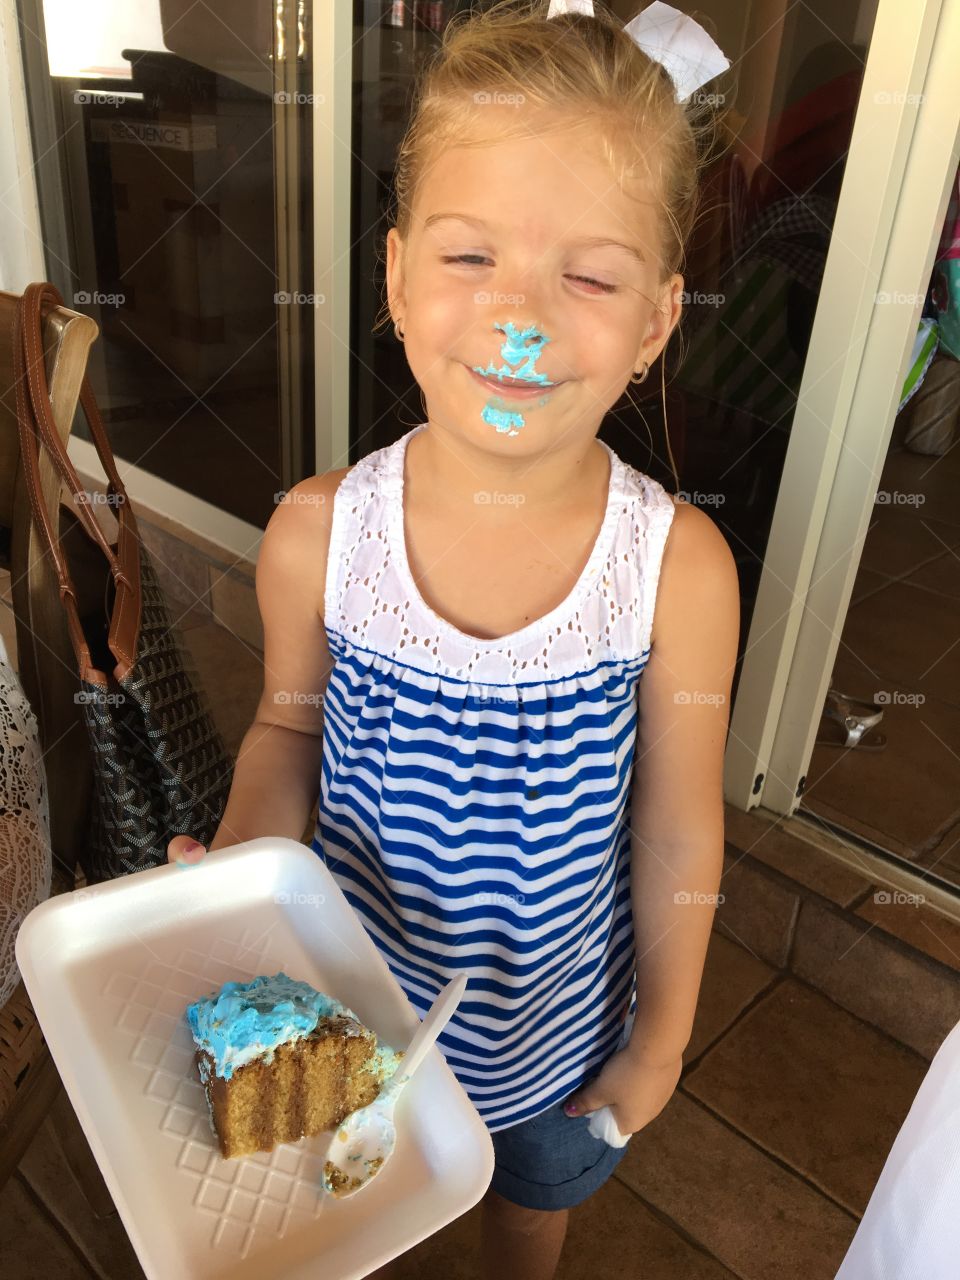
<point x="456" y="627"/>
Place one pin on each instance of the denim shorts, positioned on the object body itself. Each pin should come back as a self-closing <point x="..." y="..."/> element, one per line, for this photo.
<point x="551" y="1161"/>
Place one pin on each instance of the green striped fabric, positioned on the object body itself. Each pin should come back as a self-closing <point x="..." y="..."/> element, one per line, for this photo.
<point x="924" y="349"/>
<point x="741" y="353"/>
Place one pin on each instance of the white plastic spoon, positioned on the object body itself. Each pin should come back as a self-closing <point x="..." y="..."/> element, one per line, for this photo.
<point x="365" y="1141"/>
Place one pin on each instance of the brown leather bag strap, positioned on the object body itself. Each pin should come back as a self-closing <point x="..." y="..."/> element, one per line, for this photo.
<point x="30" y="461"/>
<point x="37" y="426"/>
<point x="36" y="299"/>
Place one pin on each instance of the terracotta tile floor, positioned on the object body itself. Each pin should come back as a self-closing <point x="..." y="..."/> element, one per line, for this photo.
<point x="753" y="1170"/>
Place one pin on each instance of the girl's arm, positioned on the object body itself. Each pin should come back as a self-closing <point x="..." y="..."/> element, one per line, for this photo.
<point x="677" y="798"/>
<point x="277" y="776"/>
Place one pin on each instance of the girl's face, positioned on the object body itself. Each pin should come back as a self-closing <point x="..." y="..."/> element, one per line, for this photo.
<point x="528" y="234"/>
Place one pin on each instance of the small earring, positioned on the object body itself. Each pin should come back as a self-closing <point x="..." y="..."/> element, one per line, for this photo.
<point x="398" y="331"/>
<point x="643" y="376"/>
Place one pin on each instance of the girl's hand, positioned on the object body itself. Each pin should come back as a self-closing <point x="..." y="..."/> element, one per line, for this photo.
<point x="185" y="851"/>
<point x="635" y="1091"/>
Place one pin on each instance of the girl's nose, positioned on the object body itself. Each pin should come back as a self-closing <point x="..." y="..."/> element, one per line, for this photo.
<point x="521" y="338"/>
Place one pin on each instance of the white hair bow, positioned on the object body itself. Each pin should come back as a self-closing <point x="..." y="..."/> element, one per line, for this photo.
<point x="689" y="54"/>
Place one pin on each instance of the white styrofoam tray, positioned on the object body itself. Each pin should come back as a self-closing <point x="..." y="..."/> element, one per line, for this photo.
<point x="110" y="971"/>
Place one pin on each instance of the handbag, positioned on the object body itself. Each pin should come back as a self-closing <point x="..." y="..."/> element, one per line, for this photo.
<point x="160" y="767"/>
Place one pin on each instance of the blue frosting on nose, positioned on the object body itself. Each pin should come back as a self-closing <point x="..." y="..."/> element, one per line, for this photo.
<point x="520" y="351"/>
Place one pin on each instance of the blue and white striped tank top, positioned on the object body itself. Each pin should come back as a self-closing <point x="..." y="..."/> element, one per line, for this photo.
<point x="475" y="794"/>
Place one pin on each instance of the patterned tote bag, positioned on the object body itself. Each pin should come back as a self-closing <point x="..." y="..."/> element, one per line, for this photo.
<point x="160" y="767"/>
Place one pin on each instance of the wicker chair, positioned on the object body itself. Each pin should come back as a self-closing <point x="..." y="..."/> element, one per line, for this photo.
<point x="30" y="1086"/>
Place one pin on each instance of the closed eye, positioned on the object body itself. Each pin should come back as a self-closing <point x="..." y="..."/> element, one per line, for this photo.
<point x="472" y="259"/>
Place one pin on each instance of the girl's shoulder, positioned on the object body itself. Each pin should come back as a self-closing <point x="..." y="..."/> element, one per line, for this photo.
<point x="296" y="544"/>
<point x="305" y="511"/>
<point x="693" y="542"/>
<point x="317" y="491"/>
<point x="296" y="541"/>
<point x="649" y="495"/>
<point x="698" y="573"/>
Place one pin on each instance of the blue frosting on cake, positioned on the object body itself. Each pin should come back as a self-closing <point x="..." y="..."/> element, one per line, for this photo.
<point x="248" y="1020"/>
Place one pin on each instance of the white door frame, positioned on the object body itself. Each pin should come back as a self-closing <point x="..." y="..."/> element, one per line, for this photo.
<point x="901" y="159"/>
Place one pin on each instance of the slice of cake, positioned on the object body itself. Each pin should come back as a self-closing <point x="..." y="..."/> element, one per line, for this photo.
<point x="279" y="1060"/>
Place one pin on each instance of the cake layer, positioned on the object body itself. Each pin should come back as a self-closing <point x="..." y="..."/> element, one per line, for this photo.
<point x="310" y="1087"/>
<point x="279" y="1060"/>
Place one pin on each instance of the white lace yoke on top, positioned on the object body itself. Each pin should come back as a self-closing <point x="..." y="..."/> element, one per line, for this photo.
<point x="372" y="601"/>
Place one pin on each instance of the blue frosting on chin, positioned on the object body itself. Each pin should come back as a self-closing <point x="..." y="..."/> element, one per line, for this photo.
<point x="247" y="1020"/>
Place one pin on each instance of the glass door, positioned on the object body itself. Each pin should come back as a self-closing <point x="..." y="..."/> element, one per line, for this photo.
<point x="173" y="144"/>
<point x="901" y="158"/>
<point x="881" y="615"/>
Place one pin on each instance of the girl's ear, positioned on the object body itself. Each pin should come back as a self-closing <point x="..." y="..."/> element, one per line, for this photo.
<point x="665" y="318"/>
<point x="395" y="295"/>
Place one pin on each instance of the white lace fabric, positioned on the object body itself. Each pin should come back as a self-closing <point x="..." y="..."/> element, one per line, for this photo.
<point x="373" y="601"/>
<point x="25" y="856"/>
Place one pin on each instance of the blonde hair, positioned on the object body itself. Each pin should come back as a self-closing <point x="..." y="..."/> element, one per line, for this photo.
<point x="579" y="67"/>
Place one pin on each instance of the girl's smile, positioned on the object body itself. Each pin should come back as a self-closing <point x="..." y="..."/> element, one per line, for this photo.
<point x="514" y="390"/>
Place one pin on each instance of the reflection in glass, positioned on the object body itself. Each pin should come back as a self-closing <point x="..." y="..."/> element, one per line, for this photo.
<point x="174" y="115"/>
